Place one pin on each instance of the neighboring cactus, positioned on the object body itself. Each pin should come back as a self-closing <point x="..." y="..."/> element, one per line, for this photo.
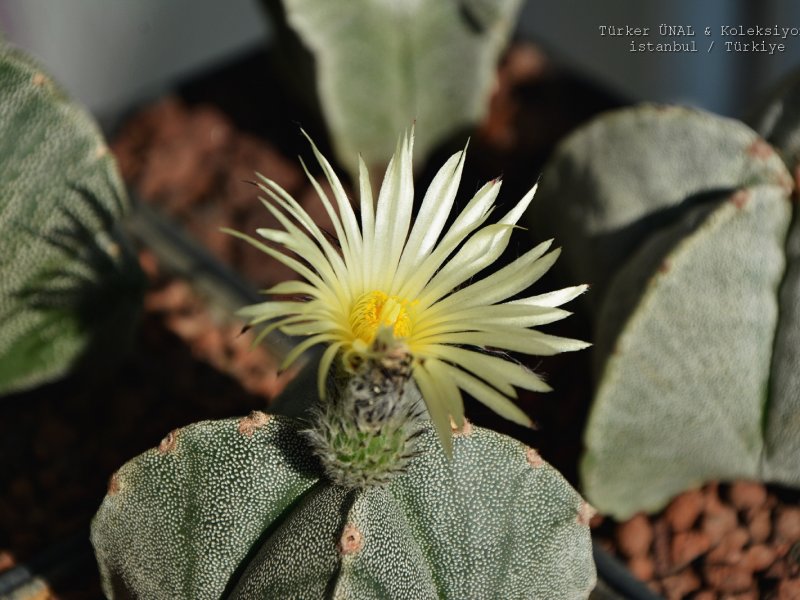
<point x="381" y="65"/>
<point x="237" y="509"/>
<point x="680" y="218"/>
<point x="372" y="501"/>
<point x="69" y="289"/>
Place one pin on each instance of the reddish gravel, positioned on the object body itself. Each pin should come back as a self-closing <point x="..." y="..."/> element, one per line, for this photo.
<point x="735" y="541"/>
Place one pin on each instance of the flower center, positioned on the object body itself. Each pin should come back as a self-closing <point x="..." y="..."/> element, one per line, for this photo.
<point x="374" y="310"/>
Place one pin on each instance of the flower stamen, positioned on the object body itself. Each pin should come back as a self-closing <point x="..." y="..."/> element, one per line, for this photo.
<point x="375" y="310"/>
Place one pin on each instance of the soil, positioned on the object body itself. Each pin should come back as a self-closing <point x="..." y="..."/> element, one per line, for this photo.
<point x="192" y="155"/>
<point x="735" y="541"/>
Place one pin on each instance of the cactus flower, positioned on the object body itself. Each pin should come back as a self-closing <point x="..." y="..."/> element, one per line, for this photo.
<point x="413" y="284"/>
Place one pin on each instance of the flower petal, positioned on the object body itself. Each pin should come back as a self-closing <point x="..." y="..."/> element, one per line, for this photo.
<point x="528" y="341"/>
<point x="472" y="217"/>
<point x="490" y="397"/>
<point x="556" y="298"/>
<point x="393" y="215"/>
<point x="432" y="216"/>
<point x="502" y="284"/>
<point x="436" y="404"/>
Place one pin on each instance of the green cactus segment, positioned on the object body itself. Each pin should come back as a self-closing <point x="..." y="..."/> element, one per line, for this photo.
<point x="612" y="182"/>
<point x="179" y="520"/>
<point x="488" y="524"/>
<point x="382" y="65"/>
<point x="778" y="120"/>
<point x="684" y="390"/>
<point x="680" y="220"/>
<point x="67" y="283"/>
<point x="217" y="514"/>
<point x="300" y="558"/>
<point x="782" y="452"/>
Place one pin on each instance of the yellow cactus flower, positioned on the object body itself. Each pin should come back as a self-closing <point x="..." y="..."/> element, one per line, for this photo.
<point x="414" y="283"/>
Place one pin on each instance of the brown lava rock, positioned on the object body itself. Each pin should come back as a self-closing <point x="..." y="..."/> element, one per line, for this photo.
<point x="684" y="510"/>
<point x="787" y="524"/>
<point x="747" y="495"/>
<point x="642" y="567"/>
<point x="687" y="546"/>
<point x="758" y="558"/>
<point x="680" y="585"/>
<point x="789" y="589"/>
<point x="725" y="578"/>
<point x="723" y="542"/>
<point x="729" y="550"/>
<point x="635" y="536"/>
<point x="759" y="524"/>
<point x="717" y="521"/>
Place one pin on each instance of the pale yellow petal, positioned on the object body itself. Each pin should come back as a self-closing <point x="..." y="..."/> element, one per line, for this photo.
<point x="489" y="396"/>
<point x="293" y="209"/>
<point x="367" y="219"/>
<point x="342" y="201"/>
<point x="556" y="298"/>
<point x="515" y="213"/>
<point x="300" y="348"/>
<point x="393" y="215"/>
<point x="519" y="340"/>
<point x="437" y="407"/>
<point x="290" y="262"/>
<point x="477" y="253"/>
<point x="432" y="216"/>
<point x="302" y="246"/>
<point x="473" y="214"/>
<point x="333" y="215"/>
<point x="502" y="284"/>
<point x="325" y="366"/>
<point x="499" y="372"/>
<point x="482" y="317"/>
<point x="294" y="287"/>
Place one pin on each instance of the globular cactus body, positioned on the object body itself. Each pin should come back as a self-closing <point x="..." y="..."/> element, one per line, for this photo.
<point x="381" y="65"/>
<point x="69" y="289"/>
<point x="238" y="509"/>
<point x="683" y="222"/>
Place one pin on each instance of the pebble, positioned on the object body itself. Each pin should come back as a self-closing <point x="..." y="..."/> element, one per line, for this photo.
<point x="789" y="589"/>
<point x="635" y="536"/>
<point x="717" y="521"/>
<point x="642" y="567"/>
<point x="759" y="524"/>
<point x="787" y="524"/>
<point x="678" y="586"/>
<point x="729" y="550"/>
<point x="746" y="495"/>
<point x="758" y="557"/>
<point x="687" y="546"/>
<point x="751" y="594"/>
<point x="726" y="578"/>
<point x="684" y="510"/>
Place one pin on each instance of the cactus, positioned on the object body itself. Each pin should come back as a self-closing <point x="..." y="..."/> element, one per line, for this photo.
<point x="683" y="223"/>
<point x="381" y="65"/>
<point x="239" y="508"/>
<point x="70" y="289"/>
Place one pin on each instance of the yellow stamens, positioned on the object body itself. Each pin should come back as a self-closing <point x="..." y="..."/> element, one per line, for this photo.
<point x="375" y="310"/>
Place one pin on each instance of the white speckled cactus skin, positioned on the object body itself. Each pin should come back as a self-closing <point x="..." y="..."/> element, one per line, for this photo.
<point x="686" y="225"/>
<point x="238" y="509"/>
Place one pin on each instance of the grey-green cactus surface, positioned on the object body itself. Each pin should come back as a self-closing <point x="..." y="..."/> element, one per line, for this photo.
<point x="238" y="509"/>
<point x="68" y="285"/>
<point x="685" y="224"/>
<point x="382" y="65"/>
